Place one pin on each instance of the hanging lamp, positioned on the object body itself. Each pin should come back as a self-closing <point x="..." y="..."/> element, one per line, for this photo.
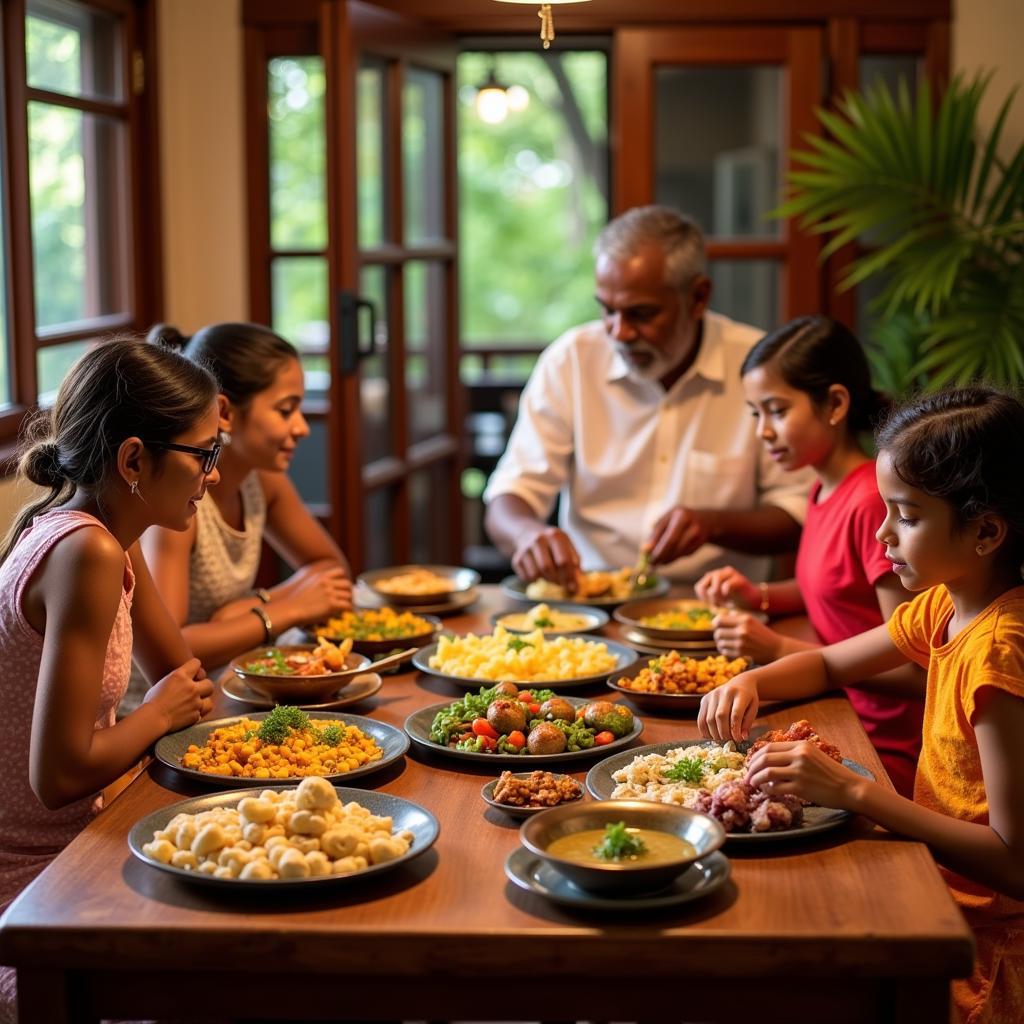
<point x="547" y="20"/>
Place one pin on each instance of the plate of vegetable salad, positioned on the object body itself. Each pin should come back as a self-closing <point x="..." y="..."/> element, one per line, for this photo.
<point x="503" y="725"/>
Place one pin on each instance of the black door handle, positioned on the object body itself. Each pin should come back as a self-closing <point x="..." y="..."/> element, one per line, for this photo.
<point x="350" y="352"/>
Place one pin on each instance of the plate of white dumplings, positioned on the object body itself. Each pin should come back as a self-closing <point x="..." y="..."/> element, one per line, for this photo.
<point x="307" y="835"/>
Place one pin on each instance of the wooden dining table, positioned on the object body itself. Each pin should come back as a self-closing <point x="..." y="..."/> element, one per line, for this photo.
<point x="850" y="925"/>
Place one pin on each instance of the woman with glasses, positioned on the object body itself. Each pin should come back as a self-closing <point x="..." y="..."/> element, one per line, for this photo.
<point x="207" y="574"/>
<point x="131" y="443"/>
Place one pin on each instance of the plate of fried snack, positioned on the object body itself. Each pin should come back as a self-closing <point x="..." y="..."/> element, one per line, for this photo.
<point x="676" y="682"/>
<point x="603" y="588"/>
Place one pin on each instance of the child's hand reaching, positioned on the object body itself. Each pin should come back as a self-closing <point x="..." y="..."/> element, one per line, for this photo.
<point x="728" y="587"/>
<point x="741" y="635"/>
<point x="182" y="696"/>
<point x="727" y="712"/>
<point x="803" y="770"/>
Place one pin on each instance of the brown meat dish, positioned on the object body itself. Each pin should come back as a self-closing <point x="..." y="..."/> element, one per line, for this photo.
<point x="802" y="730"/>
<point x="538" y="789"/>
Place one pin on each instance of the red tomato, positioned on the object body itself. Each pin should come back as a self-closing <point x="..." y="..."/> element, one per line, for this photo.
<point x="481" y="727"/>
<point x="488" y="742"/>
<point x="516" y="739"/>
<point x="526" y="696"/>
<point x="602" y="739"/>
<point x="534" y="708"/>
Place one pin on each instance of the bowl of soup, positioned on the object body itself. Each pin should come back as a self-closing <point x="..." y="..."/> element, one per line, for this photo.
<point x="621" y="846"/>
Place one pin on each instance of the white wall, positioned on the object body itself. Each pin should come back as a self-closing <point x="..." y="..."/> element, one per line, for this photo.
<point x="987" y="35"/>
<point x="202" y="161"/>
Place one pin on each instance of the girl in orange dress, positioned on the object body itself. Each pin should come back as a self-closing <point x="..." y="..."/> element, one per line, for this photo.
<point x="948" y="472"/>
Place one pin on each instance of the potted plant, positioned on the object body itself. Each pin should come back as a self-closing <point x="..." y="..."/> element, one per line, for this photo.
<point x="941" y="218"/>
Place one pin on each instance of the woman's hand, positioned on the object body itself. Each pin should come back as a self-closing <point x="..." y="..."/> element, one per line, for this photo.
<point x="726" y="587"/>
<point x="803" y="770"/>
<point x="315" y="596"/>
<point x="183" y="696"/>
<point x="727" y="712"/>
<point x="741" y="635"/>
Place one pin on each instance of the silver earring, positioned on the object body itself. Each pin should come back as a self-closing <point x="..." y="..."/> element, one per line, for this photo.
<point x="134" y="487"/>
<point x="224" y="437"/>
<point x="980" y="549"/>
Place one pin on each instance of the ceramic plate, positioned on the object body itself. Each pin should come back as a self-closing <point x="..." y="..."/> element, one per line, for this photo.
<point x="514" y="587"/>
<point x="170" y="749"/>
<point x="600" y="784"/>
<point x="374" y="648"/>
<point x="626" y="657"/>
<point x="361" y="687"/>
<point x="404" y="815"/>
<point x="487" y="793"/>
<point x="458" y="580"/>
<point x="364" y="597"/>
<point x="630" y="614"/>
<point x="418" y="724"/>
<point x="596" y="618"/>
<point x="529" y="872"/>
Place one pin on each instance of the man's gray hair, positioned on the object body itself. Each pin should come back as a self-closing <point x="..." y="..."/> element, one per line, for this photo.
<point x="679" y="237"/>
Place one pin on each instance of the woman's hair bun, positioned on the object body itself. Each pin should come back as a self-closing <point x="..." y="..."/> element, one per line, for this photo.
<point x="41" y="464"/>
<point x="167" y="336"/>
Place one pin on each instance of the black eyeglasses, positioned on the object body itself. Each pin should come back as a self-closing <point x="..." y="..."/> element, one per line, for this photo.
<point x="208" y="455"/>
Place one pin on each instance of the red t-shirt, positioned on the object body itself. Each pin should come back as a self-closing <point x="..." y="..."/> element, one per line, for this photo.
<point x="837" y="566"/>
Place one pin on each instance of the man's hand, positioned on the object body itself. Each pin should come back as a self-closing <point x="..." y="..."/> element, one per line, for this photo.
<point x="679" y="532"/>
<point x="547" y="553"/>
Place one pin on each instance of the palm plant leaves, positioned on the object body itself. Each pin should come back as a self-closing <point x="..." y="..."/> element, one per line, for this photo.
<point x="947" y="215"/>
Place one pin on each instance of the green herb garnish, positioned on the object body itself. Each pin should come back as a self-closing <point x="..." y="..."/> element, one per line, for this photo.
<point x="276" y="726"/>
<point x="618" y="844"/>
<point x="543" y="622"/>
<point x="333" y="735"/>
<point x="515" y="644"/>
<point x="687" y="769"/>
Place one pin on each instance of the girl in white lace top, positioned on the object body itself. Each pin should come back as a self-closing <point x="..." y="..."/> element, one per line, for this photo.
<point x="207" y="575"/>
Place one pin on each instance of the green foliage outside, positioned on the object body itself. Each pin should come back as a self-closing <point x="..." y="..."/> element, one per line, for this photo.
<point x="948" y="216"/>
<point x="532" y="199"/>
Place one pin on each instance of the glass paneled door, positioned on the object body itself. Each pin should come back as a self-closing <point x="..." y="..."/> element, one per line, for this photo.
<point x="706" y="118"/>
<point x="393" y="400"/>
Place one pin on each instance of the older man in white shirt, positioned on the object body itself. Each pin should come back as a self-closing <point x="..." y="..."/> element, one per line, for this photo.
<point x="639" y="422"/>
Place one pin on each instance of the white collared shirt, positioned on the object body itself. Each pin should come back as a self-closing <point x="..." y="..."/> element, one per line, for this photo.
<point x="622" y="451"/>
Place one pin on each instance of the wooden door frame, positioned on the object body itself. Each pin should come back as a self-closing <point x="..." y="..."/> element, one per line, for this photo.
<point x="637" y="52"/>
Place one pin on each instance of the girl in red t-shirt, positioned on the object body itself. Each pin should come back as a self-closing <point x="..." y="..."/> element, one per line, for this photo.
<point x="808" y="385"/>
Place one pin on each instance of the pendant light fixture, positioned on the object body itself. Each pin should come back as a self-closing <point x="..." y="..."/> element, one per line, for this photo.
<point x="547" y="20"/>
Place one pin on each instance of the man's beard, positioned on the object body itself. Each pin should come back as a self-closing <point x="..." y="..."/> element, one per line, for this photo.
<point x="662" y="361"/>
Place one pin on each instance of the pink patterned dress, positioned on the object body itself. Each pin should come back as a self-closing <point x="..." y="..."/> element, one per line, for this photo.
<point x="30" y="835"/>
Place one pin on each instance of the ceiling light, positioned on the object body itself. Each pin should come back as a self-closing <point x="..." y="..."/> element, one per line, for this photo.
<point x="547" y="21"/>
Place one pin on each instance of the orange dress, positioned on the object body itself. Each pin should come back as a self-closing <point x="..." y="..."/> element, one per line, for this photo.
<point x="988" y="653"/>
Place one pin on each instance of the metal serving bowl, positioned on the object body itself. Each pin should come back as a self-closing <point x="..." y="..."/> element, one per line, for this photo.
<point x="386" y="646"/>
<point x="296" y="689"/>
<point x="632" y="614"/>
<point x="701" y="830"/>
<point x="460" y="581"/>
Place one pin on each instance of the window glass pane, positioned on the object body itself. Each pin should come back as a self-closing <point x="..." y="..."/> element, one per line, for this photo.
<point x="73" y="49"/>
<point x="430" y="516"/>
<point x="308" y="468"/>
<point x="298" y="297"/>
<point x="298" y="153"/>
<point x="377" y="547"/>
<point x="370" y="155"/>
<point x="423" y="155"/>
<point x="374" y="379"/>
<point x="717" y="146"/>
<point x="746" y="290"/>
<point x="533" y="194"/>
<point x="53" y="363"/>
<point x="426" y="364"/>
<point x="79" y="214"/>
<point x="889" y="69"/>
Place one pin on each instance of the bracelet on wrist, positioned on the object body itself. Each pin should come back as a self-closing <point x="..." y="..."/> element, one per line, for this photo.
<point x="262" y="593"/>
<point x="268" y="626"/>
<point x="763" y="587"/>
